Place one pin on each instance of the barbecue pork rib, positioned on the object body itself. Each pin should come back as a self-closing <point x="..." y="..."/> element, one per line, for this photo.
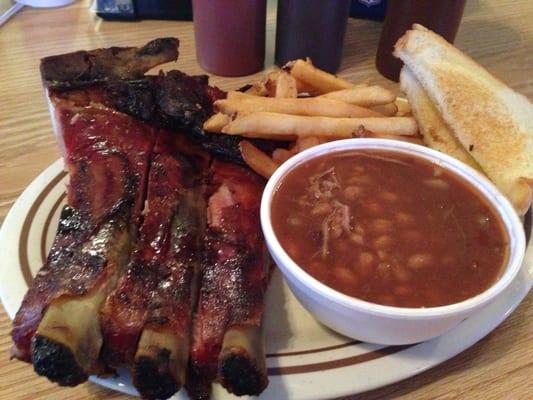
<point x="107" y="114"/>
<point x="102" y="65"/>
<point x="146" y="320"/>
<point x="173" y="100"/>
<point x="227" y="343"/>
<point x="107" y="156"/>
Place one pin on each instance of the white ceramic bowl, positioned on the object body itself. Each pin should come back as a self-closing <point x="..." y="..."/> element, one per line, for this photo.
<point x="377" y="323"/>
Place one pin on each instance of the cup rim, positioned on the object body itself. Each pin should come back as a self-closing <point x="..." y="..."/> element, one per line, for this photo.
<point x="510" y="219"/>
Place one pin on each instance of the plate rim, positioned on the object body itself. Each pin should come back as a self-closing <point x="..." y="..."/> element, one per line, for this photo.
<point x="514" y="295"/>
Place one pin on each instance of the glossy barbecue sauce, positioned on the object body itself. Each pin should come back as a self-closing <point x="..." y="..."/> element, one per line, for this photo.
<point x="390" y="229"/>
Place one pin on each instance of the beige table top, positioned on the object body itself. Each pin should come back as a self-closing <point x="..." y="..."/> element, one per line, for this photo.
<point x="499" y="34"/>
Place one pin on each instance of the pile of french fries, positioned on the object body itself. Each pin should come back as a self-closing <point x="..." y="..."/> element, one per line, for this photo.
<point x="307" y="106"/>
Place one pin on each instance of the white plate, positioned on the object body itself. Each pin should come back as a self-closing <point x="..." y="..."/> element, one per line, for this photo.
<point x="305" y="360"/>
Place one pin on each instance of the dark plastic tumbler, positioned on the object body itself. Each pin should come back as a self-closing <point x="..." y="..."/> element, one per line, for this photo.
<point x="443" y="17"/>
<point x="230" y="35"/>
<point x="311" y="28"/>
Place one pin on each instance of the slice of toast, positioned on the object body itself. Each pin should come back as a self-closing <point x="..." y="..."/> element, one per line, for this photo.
<point x="488" y="118"/>
<point x="435" y="132"/>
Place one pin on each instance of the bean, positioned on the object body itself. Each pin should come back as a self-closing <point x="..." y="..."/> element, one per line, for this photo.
<point x="419" y="260"/>
<point x="483" y="221"/>
<point x="321" y="209"/>
<point x="366" y="263"/>
<point x="291" y="249"/>
<point x="374" y="208"/>
<point x="335" y="231"/>
<point x="389" y="196"/>
<point x="382" y="254"/>
<point x="384" y="270"/>
<point x="360" y="179"/>
<point x="402" y="274"/>
<point x="342" y="247"/>
<point x="436" y="184"/>
<point x="352" y="192"/>
<point x="295" y="221"/>
<point x="359" y="229"/>
<point x="357" y="238"/>
<point x="404" y="218"/>
<point x="304" y="202"/>
<point x="382" y="242"/>
<point x="346" y="276"/>
<point x="402" y="290"/>
<point x="385" y="299"/>
<point x="380" y="226"/>
<point x="438" y="171"/>
<point x="366" y="258"/>
<point x="412" y="236"/>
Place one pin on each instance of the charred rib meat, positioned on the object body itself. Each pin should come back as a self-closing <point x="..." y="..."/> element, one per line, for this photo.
<point x="97" y="302"/>
<point x="230" y="307"/>
<point x="146" y="320"/>
<point x="173" y="100"/>
<point x="114" y="63"/>
<point x="107" y="155"/>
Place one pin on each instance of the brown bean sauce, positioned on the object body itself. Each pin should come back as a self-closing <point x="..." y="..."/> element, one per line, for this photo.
<point x="388" y="228"/>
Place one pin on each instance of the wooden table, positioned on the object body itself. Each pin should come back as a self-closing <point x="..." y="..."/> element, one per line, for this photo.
<point x="499" y="34"/>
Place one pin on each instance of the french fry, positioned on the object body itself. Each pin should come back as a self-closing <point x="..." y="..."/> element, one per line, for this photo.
<point x="267" y="136"/>
<point x="302" y="87"/>
<point x="317" y="80"/>
<point x="277" y="83"/>
<point x="236" y="95"/>
<point x="365" y="96"/>
<point x="281" y="155"/>
<point x="237" y="102"/>
<point x="363" y="133"/>
<point x="404" y="108"/>
<point x="216" y="122"/>
<point x="411" y="139"/>
<point x="257" y="160"/>
<point x="389" y="110"/>
<point x="288" y="127"/>
<point x="259" y="89"/>
<point x="306" y="142"/>
<point x="284" y="86"/>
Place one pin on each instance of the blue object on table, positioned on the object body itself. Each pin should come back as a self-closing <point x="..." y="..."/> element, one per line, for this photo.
<point x="368" y="9"/>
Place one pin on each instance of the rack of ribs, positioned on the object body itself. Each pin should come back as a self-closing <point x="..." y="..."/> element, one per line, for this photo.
<point x="172" y="100"/>
<point x="107" y="156"/>
<point x="158" y="263"/>
<point x="146" y="320"/>
<point x="227" y="343"/>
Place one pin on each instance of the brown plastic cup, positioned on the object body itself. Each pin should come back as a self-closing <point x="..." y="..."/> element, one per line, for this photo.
<point x="230" y="35"/>
<point x="442" y="17"/>
<point x="311" y="28"/>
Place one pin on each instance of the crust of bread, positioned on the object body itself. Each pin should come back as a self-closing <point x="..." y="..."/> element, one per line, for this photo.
<point x="435" y="132"/>
<point x="488" y="118"/>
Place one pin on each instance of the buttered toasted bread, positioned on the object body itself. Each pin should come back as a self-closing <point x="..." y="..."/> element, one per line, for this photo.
<point x="489" y="119"/>
<point x="435" y="132"/>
